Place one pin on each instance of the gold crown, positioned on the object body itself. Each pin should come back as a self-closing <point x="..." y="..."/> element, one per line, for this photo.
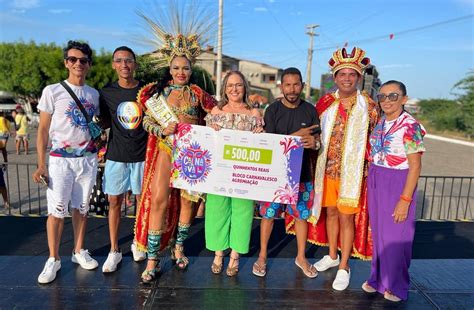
<point x="355" y="60"/>
<point x="180" y="45"/>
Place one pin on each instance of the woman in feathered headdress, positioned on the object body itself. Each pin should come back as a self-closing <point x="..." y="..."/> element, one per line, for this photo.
<point x="170" y="103"/>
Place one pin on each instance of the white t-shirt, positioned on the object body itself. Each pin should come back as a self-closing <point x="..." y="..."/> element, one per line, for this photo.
<point x="68" y="132"/>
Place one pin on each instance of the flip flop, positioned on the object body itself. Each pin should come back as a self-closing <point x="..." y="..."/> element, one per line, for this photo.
<point x="307" y="272"/>
<point x="259" y="270"/>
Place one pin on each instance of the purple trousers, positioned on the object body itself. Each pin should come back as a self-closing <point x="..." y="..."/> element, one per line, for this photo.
<point x="392" y="242"/>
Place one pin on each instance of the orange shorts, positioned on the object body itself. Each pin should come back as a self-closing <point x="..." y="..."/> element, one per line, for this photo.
<point x="331" y="194"/>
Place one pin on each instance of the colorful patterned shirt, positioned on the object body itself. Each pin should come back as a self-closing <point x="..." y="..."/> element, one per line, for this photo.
<point x="68" y="131"/>
<point x="392" y="141"/>
<point x="336" y="142"/>
<point x="236" y="121"/>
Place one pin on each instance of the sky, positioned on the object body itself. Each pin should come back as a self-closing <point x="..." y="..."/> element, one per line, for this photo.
<point x="432" y="46"/>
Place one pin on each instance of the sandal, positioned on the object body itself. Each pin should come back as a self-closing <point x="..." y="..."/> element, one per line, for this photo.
<point x="389" y="296"/>
<point x="233" y="271"/>
<point x="149" y="275"/>
<point x="181" y="262"/>
<point x="310" y="272"/>
<point x="367" y="288"/>
<point x="215" y="268"/>
<point x="260" y="270"/>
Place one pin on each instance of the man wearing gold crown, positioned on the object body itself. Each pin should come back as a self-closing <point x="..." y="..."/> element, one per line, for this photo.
<point x="347" y="117"/>
<point x="169" y="103"/>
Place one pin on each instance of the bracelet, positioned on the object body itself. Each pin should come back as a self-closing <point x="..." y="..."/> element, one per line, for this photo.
<point x="152" y="127"/>
<point x="405" y="198"/>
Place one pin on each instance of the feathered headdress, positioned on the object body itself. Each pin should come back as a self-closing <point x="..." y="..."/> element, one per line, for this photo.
<point x="179" y="31"/>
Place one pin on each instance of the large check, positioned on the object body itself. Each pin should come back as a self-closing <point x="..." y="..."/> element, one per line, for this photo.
<point x="235" y="163"/>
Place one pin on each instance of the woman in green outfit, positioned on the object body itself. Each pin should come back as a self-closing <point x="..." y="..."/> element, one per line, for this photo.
<point x="228" y="220"/>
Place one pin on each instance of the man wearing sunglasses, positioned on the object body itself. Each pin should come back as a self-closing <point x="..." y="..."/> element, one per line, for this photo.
<point x="126" y="148"/>
<point x="72" y="158"/>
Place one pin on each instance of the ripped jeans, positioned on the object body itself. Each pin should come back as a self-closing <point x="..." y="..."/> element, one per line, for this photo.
<point x="70" y="180"/>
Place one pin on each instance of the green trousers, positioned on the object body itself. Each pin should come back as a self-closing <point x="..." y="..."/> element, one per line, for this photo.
<point x="228" y="223"/>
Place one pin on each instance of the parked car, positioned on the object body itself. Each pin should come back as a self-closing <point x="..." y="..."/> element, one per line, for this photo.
<point x="7" y="102"/>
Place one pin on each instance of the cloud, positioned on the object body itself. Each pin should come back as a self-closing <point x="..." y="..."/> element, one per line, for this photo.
<point x="83" y="29"/>
<point x="394" y="66"/>
<point x="465" y="2"/>
<point x="260" y="9"/>
<point x="24" y="4"/>
<point x="60" y="11"/>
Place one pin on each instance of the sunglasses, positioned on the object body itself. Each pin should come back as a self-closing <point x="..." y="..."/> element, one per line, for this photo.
<point x="73" y="60"/>
<point x="127" y="61"/>
<point x="391" y="97"/>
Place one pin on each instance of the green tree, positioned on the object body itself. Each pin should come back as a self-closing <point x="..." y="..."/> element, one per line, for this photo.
<point x="148" y="73"/>
<point x="466" y="100"/>
<point x="28" y="67"/>
<point x="441" y="113"/>
<point x="25" y="71"/>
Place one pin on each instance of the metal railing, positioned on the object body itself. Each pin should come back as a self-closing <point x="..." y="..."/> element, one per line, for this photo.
<point x="445" y="198"/>
<point x="442" y="198"/>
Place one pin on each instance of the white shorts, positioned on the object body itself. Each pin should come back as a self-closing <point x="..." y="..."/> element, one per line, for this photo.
<point x="70" y="180"/>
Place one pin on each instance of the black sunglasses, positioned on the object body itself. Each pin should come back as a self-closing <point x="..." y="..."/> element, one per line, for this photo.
<point x="391" y="97"/>
<point x="82" y="60"/>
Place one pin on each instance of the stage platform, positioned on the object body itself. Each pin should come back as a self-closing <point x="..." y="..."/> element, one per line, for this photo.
<point x="436" y="284"/>
<point x="441" y="274"/>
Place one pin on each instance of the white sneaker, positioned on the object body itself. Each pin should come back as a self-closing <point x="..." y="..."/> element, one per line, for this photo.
<point x="137" y="254"/>
<point x="326" y="262"/>
<point x="112" y="261"/>
<point x="84" y="259"/>
<point x="49" y="271"/>
<point x="343" y="277"/>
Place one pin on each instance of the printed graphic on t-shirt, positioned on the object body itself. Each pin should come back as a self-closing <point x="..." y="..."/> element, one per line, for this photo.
<point x="129" y="114"/>
<point x="392" y="141"/>
<point x="76" y="117"/>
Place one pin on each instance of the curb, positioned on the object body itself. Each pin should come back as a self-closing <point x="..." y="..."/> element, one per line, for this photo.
<point x="455" y="141"/>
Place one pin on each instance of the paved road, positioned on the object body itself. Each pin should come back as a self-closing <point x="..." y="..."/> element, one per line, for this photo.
<point x="447" y="159"/>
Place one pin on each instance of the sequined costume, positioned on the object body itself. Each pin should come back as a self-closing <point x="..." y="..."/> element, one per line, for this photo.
<point x="202" y="103"/>
<point x="362" y="247"/>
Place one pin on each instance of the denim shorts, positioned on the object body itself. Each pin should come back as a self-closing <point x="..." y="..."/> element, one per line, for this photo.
<point x="120" y="177"/>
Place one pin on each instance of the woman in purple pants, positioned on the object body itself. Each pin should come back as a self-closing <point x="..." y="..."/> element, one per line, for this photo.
<point x="395" y="165"/>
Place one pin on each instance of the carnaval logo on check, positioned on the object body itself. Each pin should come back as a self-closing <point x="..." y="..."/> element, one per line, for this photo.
<point x="193" y="163"/>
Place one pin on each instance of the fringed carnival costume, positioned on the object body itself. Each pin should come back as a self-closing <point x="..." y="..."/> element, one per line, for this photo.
<point x="348" y="134"/>
<point x="180" y="41"/>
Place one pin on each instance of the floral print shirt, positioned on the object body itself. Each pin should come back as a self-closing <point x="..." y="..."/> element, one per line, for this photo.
<point x="392" y="141"/>
<point x="235" y="121"/>
<point x="336" y="142"/>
